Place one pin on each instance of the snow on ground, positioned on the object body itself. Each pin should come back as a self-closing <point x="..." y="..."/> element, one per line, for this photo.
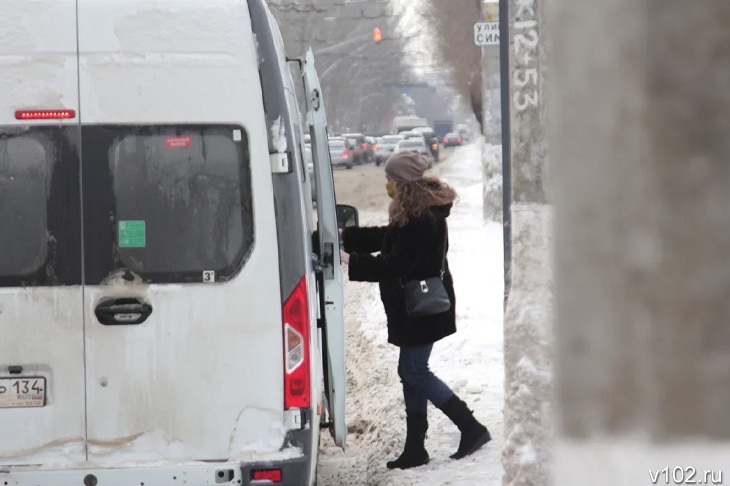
<point x="471" y="361"/>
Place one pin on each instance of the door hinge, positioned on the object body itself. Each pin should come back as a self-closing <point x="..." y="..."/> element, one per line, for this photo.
<point x="280" y="163"/>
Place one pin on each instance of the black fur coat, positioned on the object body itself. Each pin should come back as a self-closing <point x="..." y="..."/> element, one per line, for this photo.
<point x="413" y="251"/>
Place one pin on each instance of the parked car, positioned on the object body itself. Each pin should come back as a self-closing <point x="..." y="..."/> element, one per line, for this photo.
<point x="355" y="150"/>
<point x="365" y="150"/>
<point x="350" y="142"/>
<point x="414" y="135"/>
<point x="464" y="132"/>
<point x="372" y="147"/>
<point x="410" y="134"/>
<point x="386" y="147"/>
<point x="453" y="139"/>
<point x="415" y="144"/>
<point x="431" y="140"/>
<point x="341" y="153"/>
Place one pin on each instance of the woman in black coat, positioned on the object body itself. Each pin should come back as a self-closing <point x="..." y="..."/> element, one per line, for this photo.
<point x="413" y="246"/>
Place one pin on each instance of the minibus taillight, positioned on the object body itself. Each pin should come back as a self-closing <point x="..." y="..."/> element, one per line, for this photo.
<point x="271" y="475"/>
<point x="297" y="393"/>
<point x="44" y="114"/>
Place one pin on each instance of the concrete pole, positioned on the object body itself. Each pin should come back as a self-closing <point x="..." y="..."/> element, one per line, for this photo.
<point x="491" y="122"/>
<point x="490" y="78"/>
<point x="527" y="330"/>
<point x="640" y="136"/>
<point x="528" y="63"/>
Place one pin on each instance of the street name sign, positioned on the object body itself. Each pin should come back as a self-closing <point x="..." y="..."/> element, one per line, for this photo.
<point x="486" y="33"/>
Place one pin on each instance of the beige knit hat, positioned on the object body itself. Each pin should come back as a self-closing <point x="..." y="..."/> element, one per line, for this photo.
<point x="406" y="166"/>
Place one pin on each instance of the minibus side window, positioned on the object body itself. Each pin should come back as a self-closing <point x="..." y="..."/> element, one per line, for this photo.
<point x="179" y="198"/>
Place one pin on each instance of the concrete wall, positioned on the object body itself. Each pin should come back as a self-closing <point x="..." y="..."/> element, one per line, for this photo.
<point x="640" y="138"/>
<point x="492" y="182"/>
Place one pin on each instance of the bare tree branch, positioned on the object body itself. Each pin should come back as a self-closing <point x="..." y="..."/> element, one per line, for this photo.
<point x="352" y="67"/>
<point x="450" y="35"/>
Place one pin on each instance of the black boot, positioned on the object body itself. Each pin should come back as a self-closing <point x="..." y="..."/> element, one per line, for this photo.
<point x="414" y="453"/>
<point x="473" y="434"/>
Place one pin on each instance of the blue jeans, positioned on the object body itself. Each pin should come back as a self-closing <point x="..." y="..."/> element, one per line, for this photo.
<point x="419" y="384"/>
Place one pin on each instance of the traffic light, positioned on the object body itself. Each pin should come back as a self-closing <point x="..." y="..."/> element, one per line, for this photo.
<point x="377" y="35"/>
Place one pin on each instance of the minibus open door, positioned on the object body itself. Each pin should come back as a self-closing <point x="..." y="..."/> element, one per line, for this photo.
<point x="330" y="278"/>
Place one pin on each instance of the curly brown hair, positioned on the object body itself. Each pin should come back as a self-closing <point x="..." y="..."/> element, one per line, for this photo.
<point x="412" y="199"/>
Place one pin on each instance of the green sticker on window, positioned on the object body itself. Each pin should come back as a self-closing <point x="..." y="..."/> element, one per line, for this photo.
<point x="132" y="234"/>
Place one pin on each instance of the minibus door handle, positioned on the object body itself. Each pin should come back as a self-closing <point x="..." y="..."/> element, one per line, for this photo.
<point x="126" y="311"/>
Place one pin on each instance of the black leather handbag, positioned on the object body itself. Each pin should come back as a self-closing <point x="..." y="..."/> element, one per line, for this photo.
<point x="428" y="297"/>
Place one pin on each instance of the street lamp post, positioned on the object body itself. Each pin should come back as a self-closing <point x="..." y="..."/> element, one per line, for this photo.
<point x="506" y="143"/>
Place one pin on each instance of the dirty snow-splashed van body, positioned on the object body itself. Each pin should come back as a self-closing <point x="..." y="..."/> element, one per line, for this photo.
<point x="162" y="315"/>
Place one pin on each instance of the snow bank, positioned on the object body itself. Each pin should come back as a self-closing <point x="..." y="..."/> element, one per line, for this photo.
<point x="278" y="136"/>
<point x="469" y="361"/>
<point x="492" y="189"/>
<point x="492" y="121"/>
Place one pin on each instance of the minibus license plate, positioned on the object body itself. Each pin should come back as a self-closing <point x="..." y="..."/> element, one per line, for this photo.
<point x="27" y="391"/>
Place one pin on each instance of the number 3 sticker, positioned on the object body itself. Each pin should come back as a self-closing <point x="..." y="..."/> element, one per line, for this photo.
<point x="209" y="276"/>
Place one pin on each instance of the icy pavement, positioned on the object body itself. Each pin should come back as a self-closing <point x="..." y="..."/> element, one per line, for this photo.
<point x="469" y="361"/>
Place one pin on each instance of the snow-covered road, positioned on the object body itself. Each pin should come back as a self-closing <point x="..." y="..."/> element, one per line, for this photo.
<point x="469" y="361"/>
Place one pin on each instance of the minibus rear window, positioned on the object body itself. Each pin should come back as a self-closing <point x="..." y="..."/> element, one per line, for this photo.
<point x="178" y="200"/>
<point x="39" y="206"/>
<point x="25" y="168"/>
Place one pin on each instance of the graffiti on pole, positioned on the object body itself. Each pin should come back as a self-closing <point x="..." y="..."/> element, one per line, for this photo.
<point x="526" y="76"/>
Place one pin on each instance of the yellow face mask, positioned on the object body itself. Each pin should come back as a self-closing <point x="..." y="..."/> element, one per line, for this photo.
<point x="390" y="187"/>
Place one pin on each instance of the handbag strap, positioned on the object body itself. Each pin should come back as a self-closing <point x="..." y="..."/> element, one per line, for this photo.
<point x="446" y="244"/>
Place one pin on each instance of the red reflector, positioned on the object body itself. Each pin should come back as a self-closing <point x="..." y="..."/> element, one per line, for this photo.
<point x="273" y="475"/>
<point x="345" y="155"/>
<point x="44" y="114"/>
<point x="298" y="386"/>
<point x="178" y="142"/>
<point x="363" y="146"/>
